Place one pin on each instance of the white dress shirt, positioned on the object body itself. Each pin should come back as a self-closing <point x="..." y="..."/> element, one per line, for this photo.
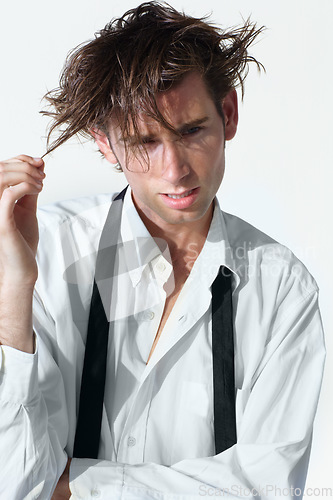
<point x="157" y="437"/>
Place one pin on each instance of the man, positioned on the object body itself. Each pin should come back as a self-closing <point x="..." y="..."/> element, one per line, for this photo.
<point x="156" y="90"/>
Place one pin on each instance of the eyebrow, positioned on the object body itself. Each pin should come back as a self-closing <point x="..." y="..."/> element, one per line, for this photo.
<point x="131" y="140"/>
<point x="192" y="124"/>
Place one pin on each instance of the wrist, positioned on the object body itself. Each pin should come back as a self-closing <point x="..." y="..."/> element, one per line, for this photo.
<point x="16" y="318"/>
<point x="8" y="289"/>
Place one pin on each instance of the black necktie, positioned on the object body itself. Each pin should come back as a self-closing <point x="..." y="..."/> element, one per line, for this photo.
<point x="223" y="362"/>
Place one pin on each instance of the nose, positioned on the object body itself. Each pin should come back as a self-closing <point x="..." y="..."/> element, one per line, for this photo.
<point x="175" y="164"/>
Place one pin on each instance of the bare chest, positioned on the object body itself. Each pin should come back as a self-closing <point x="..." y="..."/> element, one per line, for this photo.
<point x="169" y="304"/>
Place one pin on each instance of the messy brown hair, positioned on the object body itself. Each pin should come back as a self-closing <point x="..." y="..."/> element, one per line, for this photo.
<point x="146" y="51"/>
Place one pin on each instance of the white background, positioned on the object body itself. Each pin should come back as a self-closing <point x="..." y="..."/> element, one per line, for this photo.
<point x="278" y="167"/>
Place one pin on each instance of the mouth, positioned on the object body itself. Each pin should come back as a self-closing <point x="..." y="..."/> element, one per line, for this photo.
<point x="180" y="201"/>
<point x="180" y="196"/>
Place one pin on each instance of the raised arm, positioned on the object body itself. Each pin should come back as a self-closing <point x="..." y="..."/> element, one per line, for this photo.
<point x="21" y="180"/>
<point x="32" y="453"/>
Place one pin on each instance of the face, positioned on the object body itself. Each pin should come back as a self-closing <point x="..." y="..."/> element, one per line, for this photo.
<point x="185" y="171"/>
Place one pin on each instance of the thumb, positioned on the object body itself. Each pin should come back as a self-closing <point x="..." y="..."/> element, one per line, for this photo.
<point x="29" y="202"/>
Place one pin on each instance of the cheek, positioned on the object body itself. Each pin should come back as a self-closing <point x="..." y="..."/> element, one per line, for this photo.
<point x="213" y="147"/>
<point x="216" y="168"/>
<point x="215" y="160"/>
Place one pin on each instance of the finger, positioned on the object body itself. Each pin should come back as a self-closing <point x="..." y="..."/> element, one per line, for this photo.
<point x="14" y="173"/>
<point x="28" y="202"/>
<point x="36" y="161"/>
<point x="34" y="166"/>
<point x="10" y="179"/>
<point x="12" y="195"/>
<point x="21" y="161"/>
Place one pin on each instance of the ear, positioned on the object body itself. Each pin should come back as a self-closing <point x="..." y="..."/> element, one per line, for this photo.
<point x="230" y="111"/>
<point x="104" y="146"/>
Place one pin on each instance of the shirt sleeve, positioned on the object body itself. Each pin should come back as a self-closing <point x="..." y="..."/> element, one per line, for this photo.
<point x="271" y="456"/>
<point x="33" y="423"/>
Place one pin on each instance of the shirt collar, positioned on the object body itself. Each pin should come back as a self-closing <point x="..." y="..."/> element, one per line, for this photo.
<point x="216" y="252"/>
<point x="140" y="248"/>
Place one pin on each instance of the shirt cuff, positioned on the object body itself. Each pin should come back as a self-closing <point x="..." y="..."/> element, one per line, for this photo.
<point x="18" y="376"/>
<point x="91" y="479"/>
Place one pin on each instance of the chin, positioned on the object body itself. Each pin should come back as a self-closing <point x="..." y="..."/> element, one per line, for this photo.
<point x="183" y="217"/>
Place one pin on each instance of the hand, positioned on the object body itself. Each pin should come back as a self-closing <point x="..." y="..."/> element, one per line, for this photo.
<point x="62" y="491"/>
<point x="20" y="183"/>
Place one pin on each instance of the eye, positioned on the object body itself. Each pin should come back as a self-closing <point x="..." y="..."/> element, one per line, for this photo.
<point x="192" y="130"/>
<point x="148" y="140"/>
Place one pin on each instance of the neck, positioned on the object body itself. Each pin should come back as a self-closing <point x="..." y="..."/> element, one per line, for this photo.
<point x="185" y="241"/>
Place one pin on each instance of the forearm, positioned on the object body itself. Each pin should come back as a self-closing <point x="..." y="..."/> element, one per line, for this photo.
<point x="16" y="317"/>
<point x="246" y="470"/>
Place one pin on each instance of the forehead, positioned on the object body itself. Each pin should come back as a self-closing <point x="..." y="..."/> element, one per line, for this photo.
<point x="186" y="98"/>
<point x="185" y="102"/>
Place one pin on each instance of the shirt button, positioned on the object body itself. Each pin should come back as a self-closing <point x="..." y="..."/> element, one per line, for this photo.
<point x="95" y="493"/>
<point x="131" y="441"/>
<point x="161" y="267"/>
<point x="149" y="315"/>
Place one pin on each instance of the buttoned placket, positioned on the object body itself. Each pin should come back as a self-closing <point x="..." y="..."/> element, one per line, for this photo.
<point x="132" y="440"/>
<point x="132" y="443"/>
